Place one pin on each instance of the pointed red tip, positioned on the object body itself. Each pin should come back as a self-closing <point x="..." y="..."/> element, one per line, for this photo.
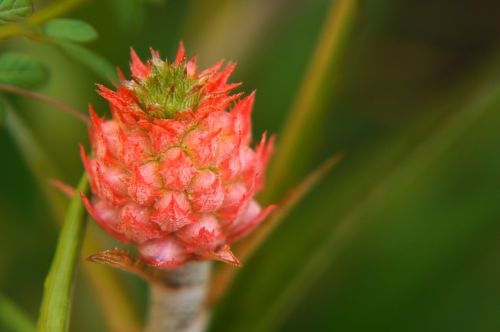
<point x="104" y="92"/>
<point x="137" y="67"/>
<point x="244" y="230"/>
<point x="94" y="118"/>
<point x="268" y="150"/>
<point x="121" y="77"/>
<point x="135" y="58"/>
<point x="155" y="55"/>
<point x="83" y="155"/>
<point x="181" y="54"/>
<point x="89" y="206"/>
<point x="229" y="70"/>
<point x="248" y="102"/>
<point x="191" y="66"/>
<point x="66" y="189"/>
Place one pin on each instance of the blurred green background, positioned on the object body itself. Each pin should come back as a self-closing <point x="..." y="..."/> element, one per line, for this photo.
<point x="403" y="235"/>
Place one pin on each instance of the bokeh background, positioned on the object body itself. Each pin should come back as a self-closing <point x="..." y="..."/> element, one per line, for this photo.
<point x="402" y="235"/>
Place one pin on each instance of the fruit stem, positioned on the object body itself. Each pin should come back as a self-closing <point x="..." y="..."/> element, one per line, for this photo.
<point x="176" y="300"/>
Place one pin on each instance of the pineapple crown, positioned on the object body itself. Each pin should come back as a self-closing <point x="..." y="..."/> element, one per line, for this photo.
<point x="167" y="89"/>
<point x="170" y="90"/>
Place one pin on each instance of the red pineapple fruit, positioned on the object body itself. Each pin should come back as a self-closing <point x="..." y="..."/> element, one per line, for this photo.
<point x="173" y="171"/>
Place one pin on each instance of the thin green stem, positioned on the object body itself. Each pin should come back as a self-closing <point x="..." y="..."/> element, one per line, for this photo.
<point x="46" y="99"/>
<point x="323" y="66"/>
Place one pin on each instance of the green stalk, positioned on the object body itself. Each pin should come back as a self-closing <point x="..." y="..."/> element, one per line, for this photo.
<point x="310" y="99"/>
<point x="55" y="309"/>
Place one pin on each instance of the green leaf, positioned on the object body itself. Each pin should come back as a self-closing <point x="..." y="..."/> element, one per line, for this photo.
<point x="21" y="70"/>
<point x="12" y="318"/>
<point x="70" y="29"/>
<point x="89" y="59"/>
<point x="58" y="288"/>
<point x="14" y="10"/>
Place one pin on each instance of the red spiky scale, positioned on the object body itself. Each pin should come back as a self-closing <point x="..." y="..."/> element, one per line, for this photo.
<point x="248" y="220"/>
<point x="136" y="223"/>
<point x="176" y="169"/>
<point x="173" y="170"/>
<point x="181" y="55"/>
<point x="172" y="211"/>
<point x="138" y="69"/>
<point x="242" y="111"/>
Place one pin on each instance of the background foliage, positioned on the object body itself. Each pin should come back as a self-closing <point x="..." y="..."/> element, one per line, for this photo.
<point x="403" y="235"/>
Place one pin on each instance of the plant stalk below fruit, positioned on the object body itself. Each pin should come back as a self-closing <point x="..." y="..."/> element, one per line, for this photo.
<point x="176" y="300"/>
